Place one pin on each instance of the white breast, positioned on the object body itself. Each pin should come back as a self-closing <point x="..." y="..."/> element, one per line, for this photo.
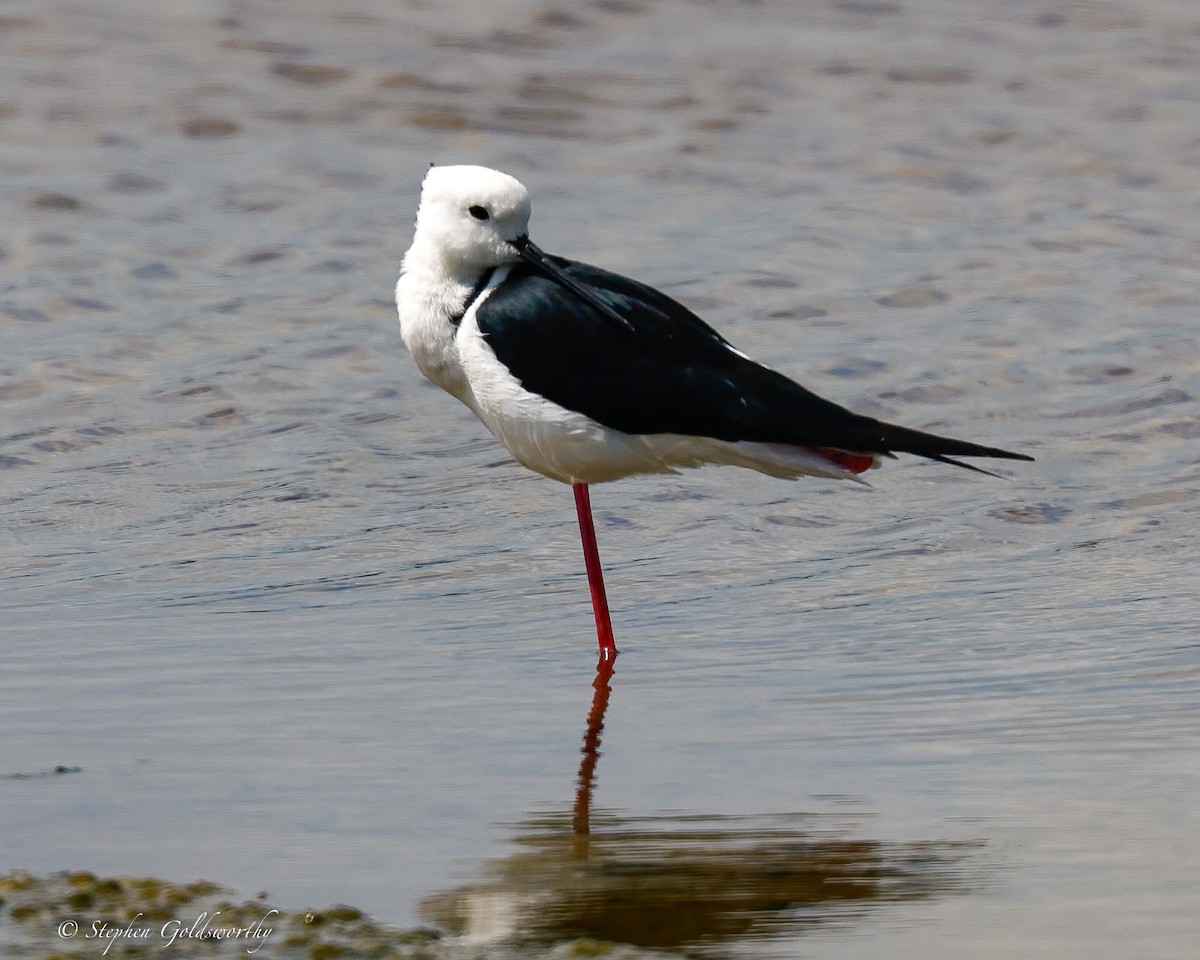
<point x="427" y="296"/>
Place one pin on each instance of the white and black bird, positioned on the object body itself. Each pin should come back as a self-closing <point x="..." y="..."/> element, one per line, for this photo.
<point x="588" y="376"/>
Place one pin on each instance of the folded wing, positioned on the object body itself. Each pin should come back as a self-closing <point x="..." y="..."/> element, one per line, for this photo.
<point x="674" y="373"/>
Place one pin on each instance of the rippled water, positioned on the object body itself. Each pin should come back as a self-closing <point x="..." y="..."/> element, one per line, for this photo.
<point x="302" y="627"/>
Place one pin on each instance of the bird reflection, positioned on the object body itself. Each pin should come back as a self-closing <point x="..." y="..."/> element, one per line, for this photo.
<point x="585" y="781"/>
<point x="698" y="884"/>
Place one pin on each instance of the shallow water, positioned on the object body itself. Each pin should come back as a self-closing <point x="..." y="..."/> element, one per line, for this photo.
<point x="302" y="626"/>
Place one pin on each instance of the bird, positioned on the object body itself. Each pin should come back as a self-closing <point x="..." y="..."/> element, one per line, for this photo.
<point x="587" y="376"/>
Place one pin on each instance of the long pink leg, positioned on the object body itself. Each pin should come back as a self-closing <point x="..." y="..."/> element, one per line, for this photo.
<point x="591" y="557"/>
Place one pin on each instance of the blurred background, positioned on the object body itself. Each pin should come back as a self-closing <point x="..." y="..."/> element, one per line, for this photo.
<point x="276" y="613"/>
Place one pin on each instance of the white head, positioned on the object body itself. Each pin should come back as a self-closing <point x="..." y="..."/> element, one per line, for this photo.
<point x="470" y="216"/>
<point x="471" y="219"/>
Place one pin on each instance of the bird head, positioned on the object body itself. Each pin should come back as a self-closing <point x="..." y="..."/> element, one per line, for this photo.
<point x="472" y="216"/>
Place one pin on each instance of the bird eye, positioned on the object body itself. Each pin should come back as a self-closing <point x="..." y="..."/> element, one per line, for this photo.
<point x="479" y="213"/>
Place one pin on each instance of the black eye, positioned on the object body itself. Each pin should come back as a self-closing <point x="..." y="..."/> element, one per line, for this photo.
<point x="479" y="213"/>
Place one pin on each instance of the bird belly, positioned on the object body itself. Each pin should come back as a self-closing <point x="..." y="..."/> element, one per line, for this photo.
<point x="572" y="448"/>
<point x="565" y="445"/>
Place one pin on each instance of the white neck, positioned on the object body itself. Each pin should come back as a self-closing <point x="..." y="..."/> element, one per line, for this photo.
<point x="429" y="293"/>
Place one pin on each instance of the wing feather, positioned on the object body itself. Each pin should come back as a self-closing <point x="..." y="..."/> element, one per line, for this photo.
<point x="669" y="371"/>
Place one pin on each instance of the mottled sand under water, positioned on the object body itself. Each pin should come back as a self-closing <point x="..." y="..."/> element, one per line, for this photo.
<point x="276" y="615"/>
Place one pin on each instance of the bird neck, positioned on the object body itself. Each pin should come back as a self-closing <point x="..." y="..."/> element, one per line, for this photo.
<point x="430" y="293"/>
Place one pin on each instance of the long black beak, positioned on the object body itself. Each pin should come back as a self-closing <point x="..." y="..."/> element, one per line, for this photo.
<point x="536" y="258"/>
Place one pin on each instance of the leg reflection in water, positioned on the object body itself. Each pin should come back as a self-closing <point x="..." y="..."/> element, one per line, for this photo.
<point x="586" y="780"/>
<point x="678" y="881"/>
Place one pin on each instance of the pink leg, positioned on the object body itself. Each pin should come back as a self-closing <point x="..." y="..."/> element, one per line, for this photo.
<point x="591" y="557"/>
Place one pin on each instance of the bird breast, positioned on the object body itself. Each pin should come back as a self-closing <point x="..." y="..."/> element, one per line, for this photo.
<point x="427" y="301"/>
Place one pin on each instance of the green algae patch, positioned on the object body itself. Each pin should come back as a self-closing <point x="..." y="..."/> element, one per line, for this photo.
<point x="77" y="914"/>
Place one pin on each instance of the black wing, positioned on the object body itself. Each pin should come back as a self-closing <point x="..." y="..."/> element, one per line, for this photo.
<point x="668" y="371"/>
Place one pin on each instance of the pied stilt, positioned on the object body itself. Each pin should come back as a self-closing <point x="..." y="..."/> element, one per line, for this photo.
<point x="587" y="376"/>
